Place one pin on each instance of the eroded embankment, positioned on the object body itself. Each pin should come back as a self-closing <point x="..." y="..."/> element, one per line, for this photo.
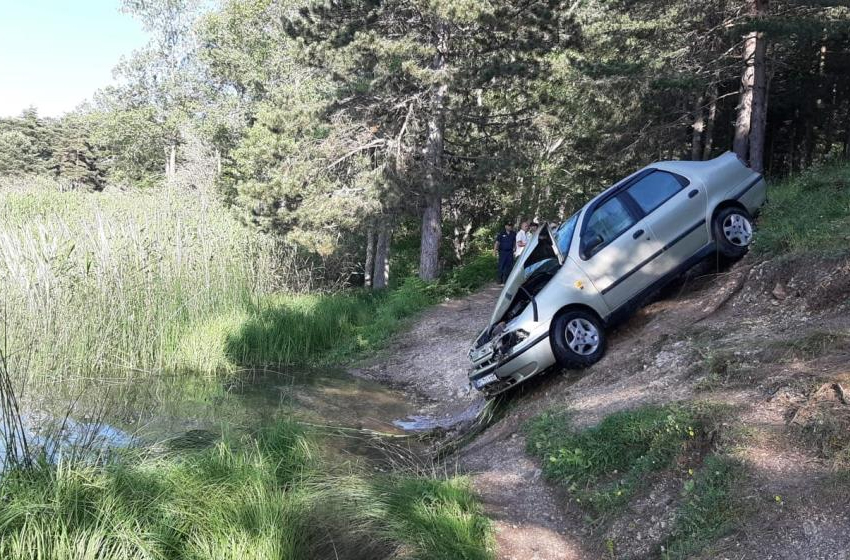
<point x="765" y="344"/>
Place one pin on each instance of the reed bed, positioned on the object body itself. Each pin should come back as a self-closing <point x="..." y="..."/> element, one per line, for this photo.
<point x="129" y="283"/>
<point x="96" y="282"/>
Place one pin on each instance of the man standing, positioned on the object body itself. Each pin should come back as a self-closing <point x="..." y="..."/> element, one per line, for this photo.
<point x="522" y="239"/>
<point x="504" y="249"/>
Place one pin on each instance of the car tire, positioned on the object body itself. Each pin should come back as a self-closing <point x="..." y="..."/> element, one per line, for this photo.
<point x="578" y="339"/>
<point x="732" y="228"/>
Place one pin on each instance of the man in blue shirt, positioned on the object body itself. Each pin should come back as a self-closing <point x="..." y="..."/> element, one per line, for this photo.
<point x="504" y="249"/>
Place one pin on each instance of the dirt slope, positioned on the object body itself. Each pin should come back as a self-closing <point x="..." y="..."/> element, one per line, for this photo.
<point x="768" y="339"/>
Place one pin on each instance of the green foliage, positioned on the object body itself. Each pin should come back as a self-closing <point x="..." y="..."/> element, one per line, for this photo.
<point x="76" y="158"/>
<point x="25" y="144"/>
<point x="133" y="140"/>
<point x="302" y="329"/>
<point x="439" y="518"/>
<point x="269" y="497"/>
<point x="605" y="465"/>
<point x="602" y="466"/>
<point x="159" y="281"/>
<point x="314" y="118"/>
<point x="710" y="508"/>
<point x="807" y="213"/>
<point x="471" y="276"/>
<point x="132" y="272"/>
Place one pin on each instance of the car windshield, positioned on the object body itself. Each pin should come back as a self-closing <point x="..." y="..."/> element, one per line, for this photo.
<point x="564" y="234"/>
<point x="562" y="237"/>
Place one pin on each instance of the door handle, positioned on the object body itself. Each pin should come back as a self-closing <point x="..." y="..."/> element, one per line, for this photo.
<point x="693" y="193"/>
<point x="637" y="234"/>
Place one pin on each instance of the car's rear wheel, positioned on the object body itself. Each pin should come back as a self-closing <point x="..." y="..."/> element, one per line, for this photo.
<point x="578" y="339"/>
<point x="733" y="232"/>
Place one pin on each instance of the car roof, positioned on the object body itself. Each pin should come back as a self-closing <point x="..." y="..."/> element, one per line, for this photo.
<point x="685" y="168"/>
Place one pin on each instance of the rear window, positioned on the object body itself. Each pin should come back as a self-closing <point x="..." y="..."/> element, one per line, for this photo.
<point x="655" y="189"/>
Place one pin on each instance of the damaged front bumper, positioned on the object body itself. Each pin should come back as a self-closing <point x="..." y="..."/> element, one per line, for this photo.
<point x="508" y="359"/>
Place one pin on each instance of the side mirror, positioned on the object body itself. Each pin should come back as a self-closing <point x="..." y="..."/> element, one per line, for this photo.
<point x="591" y="244"/>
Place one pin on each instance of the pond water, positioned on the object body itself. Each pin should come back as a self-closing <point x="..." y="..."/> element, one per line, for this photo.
<point x="175" y="412"/>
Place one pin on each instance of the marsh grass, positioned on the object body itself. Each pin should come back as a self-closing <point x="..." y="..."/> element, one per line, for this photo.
<point x="167" y="281"/>
<point x="268" y="496"/>
<point x="97" y="282"/>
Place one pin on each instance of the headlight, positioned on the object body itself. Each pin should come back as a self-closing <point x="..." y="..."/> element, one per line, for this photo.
<point x="509" y="340"/>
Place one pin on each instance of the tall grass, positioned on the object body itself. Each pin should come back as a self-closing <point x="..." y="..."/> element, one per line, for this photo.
<point x="809" y="212"/>
<point x="97" y="282"/>
<point x="330" y="327"/>
<point x="164" y="280"/>
<point x="268" y="497"/>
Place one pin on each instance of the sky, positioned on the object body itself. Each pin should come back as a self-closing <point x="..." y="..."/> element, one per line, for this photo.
<point x="54" y="54"/>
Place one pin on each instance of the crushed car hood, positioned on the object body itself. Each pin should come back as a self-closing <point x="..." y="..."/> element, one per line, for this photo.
<point x="540" y="248"/>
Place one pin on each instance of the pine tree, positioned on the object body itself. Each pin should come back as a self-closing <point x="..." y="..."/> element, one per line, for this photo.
<point x="422" y="79"/>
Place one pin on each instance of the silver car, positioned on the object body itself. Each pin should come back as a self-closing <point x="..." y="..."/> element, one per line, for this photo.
<point x="573" y="282"/>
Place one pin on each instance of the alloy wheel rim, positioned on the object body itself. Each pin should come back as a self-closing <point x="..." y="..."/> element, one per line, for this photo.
<point x="737" y="230"/>
<point x="582" y="336"/>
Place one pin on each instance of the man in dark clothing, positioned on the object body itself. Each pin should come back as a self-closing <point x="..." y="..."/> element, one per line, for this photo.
<point x="504" y="249"/>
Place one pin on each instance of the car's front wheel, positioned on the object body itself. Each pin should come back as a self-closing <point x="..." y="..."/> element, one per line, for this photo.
<point x="578" y="340"/>
<point x="733" y="232"/>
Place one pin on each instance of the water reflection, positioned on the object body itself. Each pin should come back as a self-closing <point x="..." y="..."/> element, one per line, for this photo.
<point x="172" y="413"/>
<point x="179" y="411"/>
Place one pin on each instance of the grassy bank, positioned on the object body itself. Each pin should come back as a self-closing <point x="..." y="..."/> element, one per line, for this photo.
<point x="100" y="283"/>
<point x="271" y="496"/>
<point x="615" y="463"/>
<point x="605" y="465"/>
<point x="807" y="213"/>
<point x="327" y="328"/>
<point x="97" y="286"/>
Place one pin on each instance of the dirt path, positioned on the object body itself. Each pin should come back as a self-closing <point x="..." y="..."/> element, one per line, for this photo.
<point x="429" y="360"/>
<point x="738" y="337"/>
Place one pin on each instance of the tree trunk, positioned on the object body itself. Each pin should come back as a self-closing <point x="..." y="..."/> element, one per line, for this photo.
<point x="759" y="119"/>
<point x="429" y="254"/>
<point x="461" y="240"/>
<point x="741" y="143"/>
<point x="698" y="128"/>
<point x="381" y="277"/>
<point x="809" y="140"/>
<point x="752" y="107"/>
<point x="792" y="146"/>
<point x="846" y="151"/>
<point x="171" y="160"/>
<point x="369" y="267"/>
<point x="708" y="138"/>
<point x="769" y="150"/>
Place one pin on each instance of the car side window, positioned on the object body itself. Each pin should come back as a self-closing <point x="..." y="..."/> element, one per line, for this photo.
<point x="655" y="189"/>
<point x="608" y="221"/>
